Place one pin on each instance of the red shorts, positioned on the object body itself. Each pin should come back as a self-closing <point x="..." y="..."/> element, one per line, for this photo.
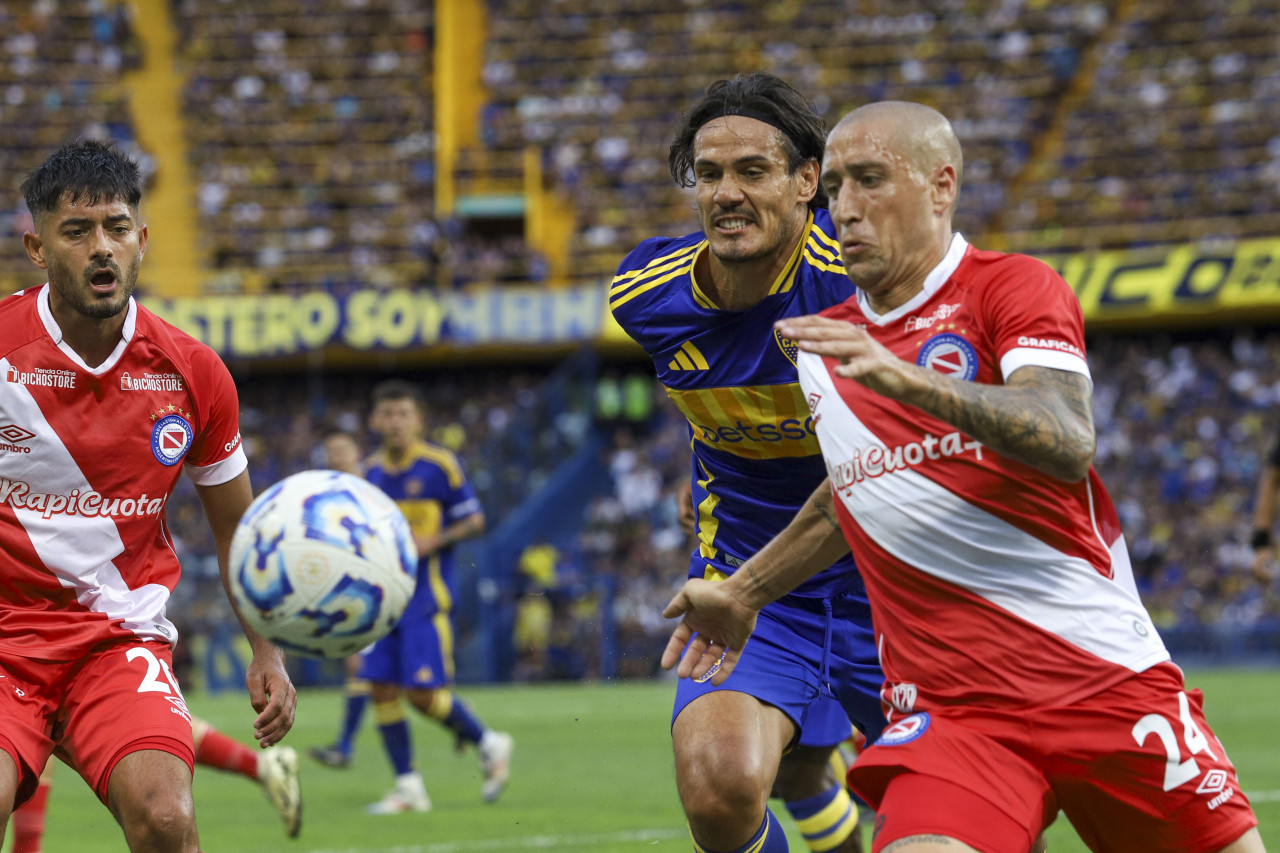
<point x="1135" y="768"/>
<point x="92" y="712"/>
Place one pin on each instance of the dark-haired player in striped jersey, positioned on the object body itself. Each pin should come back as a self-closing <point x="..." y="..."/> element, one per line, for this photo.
<point x="703" y="306"/>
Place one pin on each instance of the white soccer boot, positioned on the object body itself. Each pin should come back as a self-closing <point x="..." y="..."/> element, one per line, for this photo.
<point x="495" y="763"/>
<point x="409" y="795"/>
<point x="278" y="774"/>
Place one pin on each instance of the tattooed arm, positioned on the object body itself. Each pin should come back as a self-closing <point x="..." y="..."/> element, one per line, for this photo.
<point x="720" y="616"/>
<point x="1040" y="416"/>
<point x="806" y="546"/>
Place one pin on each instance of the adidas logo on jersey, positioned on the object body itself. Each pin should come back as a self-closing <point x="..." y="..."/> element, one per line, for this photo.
<point x="688" y="357"/>
<point x="877" y="460"/>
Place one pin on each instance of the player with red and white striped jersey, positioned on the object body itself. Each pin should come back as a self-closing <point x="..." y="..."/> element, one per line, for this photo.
<point x="952" y="400"/>
<point x="102" y="407"/>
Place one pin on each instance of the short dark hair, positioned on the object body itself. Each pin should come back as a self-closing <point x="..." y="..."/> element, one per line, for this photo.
<point x="88" y="170"/>
<point x="398" y="389"/>
<point x="802" y="130"/>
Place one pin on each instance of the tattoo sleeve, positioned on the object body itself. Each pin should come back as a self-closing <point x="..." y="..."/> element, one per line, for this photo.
<point x="825" y="505"/>
<point x="1042" y="417"/>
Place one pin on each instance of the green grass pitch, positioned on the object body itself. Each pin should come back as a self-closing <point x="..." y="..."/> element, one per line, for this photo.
<point x="592" y="771"/>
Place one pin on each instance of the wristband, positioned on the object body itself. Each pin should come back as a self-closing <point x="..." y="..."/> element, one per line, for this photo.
<point x="1261" y="539"/>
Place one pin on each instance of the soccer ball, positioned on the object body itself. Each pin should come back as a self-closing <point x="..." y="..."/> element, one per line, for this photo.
<point x="323" y="564"/>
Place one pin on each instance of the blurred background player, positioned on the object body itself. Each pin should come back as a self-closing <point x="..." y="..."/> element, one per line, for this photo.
<point x="342" y="453"/>
<point x="429" y="484"/>
<point x="703" y="307"/>
<point x="274" y="768"/>
<point x="85" y="645"/>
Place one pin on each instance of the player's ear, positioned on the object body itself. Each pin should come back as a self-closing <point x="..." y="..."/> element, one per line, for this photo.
<point x="807" y="176"/>
<point x="34" y="245"/>
<point x="945" y="188"/>
<point x="142" y="240"/>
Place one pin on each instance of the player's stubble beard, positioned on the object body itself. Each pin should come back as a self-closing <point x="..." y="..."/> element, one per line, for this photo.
<point x="80" y="295"/>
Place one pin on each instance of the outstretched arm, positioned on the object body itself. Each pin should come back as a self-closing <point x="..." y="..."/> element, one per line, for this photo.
<point x="270" y="690"/>
<point x="1040" y="416"/>
<point x="720" y="616"/>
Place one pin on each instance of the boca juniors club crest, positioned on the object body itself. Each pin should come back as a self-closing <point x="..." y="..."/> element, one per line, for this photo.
<point x="788" y="346"/>
<point x="170" y="439"/>
<point x="949" y="354"/>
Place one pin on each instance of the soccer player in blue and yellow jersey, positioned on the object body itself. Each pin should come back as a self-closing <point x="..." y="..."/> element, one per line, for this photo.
<point x="428" y="483"/>
<point x="704" y="308"/>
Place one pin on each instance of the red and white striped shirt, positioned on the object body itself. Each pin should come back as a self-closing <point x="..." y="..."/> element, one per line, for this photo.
<point x="990" y="582"/>
<point x="88" y="459"/>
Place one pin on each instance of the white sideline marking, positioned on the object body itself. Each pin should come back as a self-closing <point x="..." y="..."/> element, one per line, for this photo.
<point x="555" y="842"/>
<point x="1263" y="796"/>
<point x="533" y="842"/>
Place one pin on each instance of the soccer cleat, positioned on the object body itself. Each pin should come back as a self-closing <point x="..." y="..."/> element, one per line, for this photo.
<point x="409" y="795"/>
<point x="495" y="763"/>
<point x="278" y="774"/>
<point x="330" y="756"/>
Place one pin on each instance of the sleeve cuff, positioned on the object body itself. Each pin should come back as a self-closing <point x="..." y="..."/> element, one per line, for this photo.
<point x="219" y="472"/>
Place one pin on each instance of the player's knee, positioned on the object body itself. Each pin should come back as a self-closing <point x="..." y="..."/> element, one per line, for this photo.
<point x="726" y="791"/>
<point x="164" y="823"/>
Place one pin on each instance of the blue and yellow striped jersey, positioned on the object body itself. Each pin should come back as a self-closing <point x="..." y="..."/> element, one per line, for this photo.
<point x="755" y="454"/>
<point x="430" y="486"/>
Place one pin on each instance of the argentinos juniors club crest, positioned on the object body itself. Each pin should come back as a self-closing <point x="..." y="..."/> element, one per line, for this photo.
<point x="951" y="355"/>
<point x="171" y="435"/>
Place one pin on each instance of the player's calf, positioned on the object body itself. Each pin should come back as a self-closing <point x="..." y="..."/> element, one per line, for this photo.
<point x="818" y="801"/>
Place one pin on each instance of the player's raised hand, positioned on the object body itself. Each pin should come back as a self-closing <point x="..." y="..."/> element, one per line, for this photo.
<point x="272" y="695"/>
<point x="715" y="628"/>
<point x="862" y="358"/>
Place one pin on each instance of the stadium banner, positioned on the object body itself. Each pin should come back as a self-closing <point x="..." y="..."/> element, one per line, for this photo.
<point x="275" y="325"/>
<point x="1133" y="288"/>
<point x="1175" y="285"/>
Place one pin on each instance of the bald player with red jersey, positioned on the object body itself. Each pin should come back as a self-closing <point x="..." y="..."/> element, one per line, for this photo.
<point x="102" y="407"/>
<point x="952" y="400"/>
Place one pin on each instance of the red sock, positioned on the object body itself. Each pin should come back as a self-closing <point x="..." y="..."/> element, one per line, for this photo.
<point x="28" y="821"/>
<point x="218" y="750"/>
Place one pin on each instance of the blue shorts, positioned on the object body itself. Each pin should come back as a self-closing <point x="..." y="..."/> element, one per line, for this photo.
<point x="417" y="653"/>
<point x="819" y="668"/>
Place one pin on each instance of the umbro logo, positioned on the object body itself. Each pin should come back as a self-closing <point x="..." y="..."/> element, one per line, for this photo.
<point x="12" y="436"/>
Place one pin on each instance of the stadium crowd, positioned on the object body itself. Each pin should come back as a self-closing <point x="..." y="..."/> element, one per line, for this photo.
<point x="1087" y="123"/>
<point x="61" y="71"/>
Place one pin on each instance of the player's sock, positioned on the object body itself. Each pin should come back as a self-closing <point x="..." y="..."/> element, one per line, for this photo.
<point x="455" y="716"/>
<point x="28" y="821"/>
<point x="769" y="838"/>
<point x="826" y="820"/>
<point x="214" y="749"/>
<point x="395" y="735"/>
<point x="357" y="691"/>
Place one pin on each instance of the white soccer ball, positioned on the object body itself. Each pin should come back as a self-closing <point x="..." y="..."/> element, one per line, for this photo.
<point x="323" y="564"/>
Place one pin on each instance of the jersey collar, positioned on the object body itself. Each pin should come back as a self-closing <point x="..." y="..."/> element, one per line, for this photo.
<point x="933" y="282"/>
<point x="55" y="331"/>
